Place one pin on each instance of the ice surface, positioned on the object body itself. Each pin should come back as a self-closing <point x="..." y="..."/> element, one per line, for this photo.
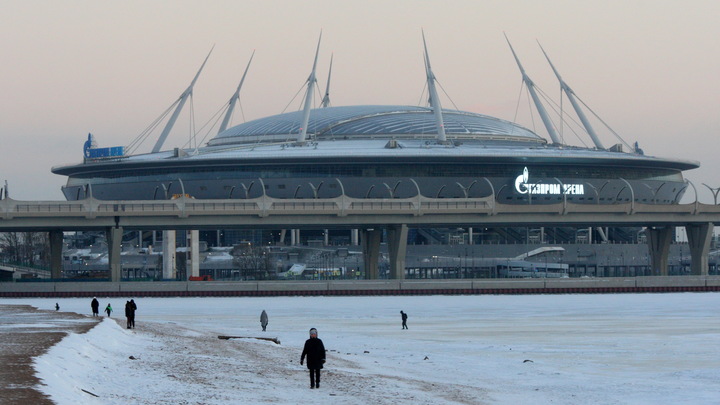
<point x="507" y="349"/>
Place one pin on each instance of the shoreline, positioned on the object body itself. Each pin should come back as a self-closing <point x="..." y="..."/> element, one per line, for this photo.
<point x="27" y="333"/>
<point x="517" y="286"/>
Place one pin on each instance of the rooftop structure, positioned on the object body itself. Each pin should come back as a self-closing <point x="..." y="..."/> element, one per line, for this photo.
<point x="382" y="151"/>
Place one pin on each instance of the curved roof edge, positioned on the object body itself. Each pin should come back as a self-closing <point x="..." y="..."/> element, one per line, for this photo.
<point x="391" y="121"/>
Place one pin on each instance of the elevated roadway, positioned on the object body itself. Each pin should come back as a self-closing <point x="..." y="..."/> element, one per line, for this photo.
<point x="188" y="213"/>
<point x="19" y="271"/>
<point x="371" y="216"/>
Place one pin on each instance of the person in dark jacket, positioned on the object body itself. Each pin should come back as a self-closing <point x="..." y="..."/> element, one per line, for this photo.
<point x="127" y="313"/>
<point x="95" y="305"/>
<point x="315" y="352"/>
<point x="133" y="308"/>
<point x="404" y="319"/>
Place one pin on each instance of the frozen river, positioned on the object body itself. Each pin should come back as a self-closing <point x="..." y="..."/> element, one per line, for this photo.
<point x="560" y="349"/>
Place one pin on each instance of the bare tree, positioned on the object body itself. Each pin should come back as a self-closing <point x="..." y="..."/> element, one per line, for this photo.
<point x="252" y="261"/>
<point x="31" y="248"/>
<point x="10" y="244"/>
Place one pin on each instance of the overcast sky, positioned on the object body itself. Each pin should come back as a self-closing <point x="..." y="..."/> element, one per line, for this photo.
<point x="650" y="69"/>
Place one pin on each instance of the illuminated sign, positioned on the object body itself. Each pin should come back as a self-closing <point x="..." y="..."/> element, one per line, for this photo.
<point x="522" y="186"/>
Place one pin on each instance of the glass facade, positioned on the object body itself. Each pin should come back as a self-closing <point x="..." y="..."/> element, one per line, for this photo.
<point x="411" y="170"/>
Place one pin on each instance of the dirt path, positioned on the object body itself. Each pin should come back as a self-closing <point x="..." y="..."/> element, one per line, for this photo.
<point x="26" y="332"/>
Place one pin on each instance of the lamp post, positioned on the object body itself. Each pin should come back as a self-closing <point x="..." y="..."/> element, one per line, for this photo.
<point x="465" y="269"/>
<point x="714" y="191"/>
<point x="577" y="260"/>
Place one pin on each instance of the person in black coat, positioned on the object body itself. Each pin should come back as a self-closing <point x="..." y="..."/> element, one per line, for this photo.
<point x="315" y="352"/>
<point x="403" y="315"/>
<point x="133" y="308"/>
<point x="95" y="305"/>
<point x="127" y="313"/>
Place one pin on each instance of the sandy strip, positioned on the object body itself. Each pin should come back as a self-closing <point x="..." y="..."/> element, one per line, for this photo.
<point x="27" y="332"/>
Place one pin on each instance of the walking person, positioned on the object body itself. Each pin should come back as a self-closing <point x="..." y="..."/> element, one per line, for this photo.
<point x="133" y="308"/>
<point x="263" y="320"/>
<point x="108" y="310"/>
<point x="127" y="313"/>
<point x="95" y="305"/>
<point x="404" y="319"/>
<point x="315" y="352"/>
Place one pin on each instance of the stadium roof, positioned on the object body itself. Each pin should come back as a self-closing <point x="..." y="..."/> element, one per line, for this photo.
<point x="374" y="121"/>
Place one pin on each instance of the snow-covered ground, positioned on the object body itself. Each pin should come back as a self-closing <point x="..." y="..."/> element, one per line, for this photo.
<point x="535" y="349"/>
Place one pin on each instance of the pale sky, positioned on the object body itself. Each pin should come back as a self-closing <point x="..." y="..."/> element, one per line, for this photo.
<point x="650" y="69"/>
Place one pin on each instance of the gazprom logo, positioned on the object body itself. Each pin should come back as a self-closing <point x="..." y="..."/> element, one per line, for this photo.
<point x="523" y="186"/>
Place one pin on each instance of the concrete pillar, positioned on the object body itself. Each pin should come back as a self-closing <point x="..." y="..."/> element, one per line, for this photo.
<point x="327" y="237"/>
<point x="282" y="237"/>
<point x="114" y="242"/>
<point x="699" y="237"/>
<point x="470" y="236"/>
<point x="56" y="244"/>
<point x="194" y="253"/>
<point x="370" y="240"/>
<point x="169" y="269"/>
<point x="659" y="248"/>
<point x="354" y="237"/>
<point x="397" y="248"/>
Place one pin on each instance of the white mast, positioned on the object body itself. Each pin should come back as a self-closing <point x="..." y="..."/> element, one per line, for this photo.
<point x="181" y="102"/>
<point x="434" y="99"/>
<point x="235" y="97"/>
<point x="308" y="97"/>
<point x="531" y="88"/>
<point x="571" y="96"/>
<point x="326" y="99"/>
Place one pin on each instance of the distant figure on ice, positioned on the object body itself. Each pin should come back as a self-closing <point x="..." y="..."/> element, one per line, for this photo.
<point x="404" y="319"/>
<point x="130" y="308"/>
<point x="108" y="309"/>
<point x="95" y="305"/>
<point x="133" y="308"/>
<point x="263" y="320"/>
<point x="57" y="306"/>
<point x="127" y="313"/>
<point x="315" y="352"/>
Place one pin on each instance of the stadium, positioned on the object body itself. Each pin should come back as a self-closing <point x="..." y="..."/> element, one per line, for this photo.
<point x="382" y="151"/>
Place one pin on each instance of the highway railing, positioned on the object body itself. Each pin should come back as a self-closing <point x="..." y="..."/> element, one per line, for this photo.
<point x="263" y="206"/>
<point x="424" y="210"/>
